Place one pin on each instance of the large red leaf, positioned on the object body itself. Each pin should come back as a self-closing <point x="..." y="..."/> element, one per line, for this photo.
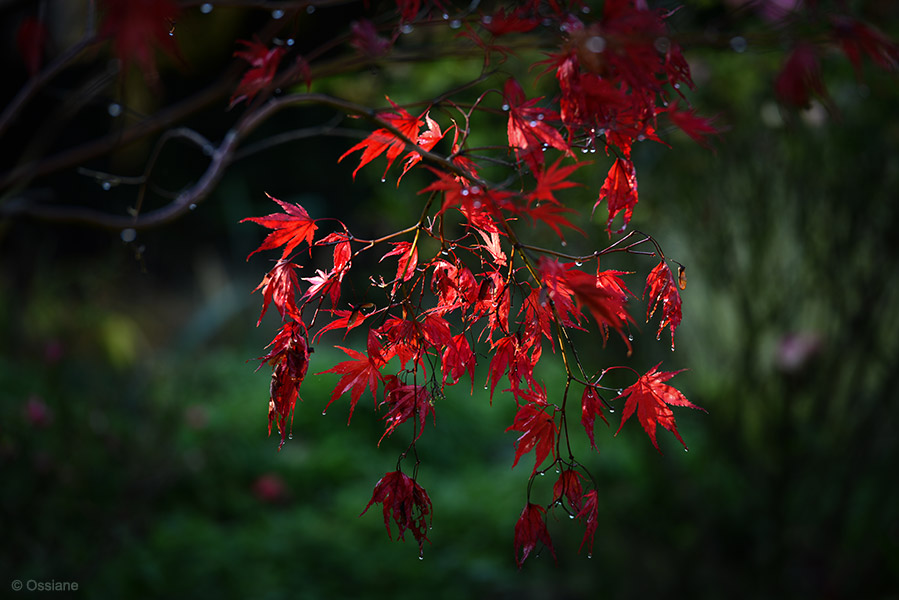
<point x="539" y="432"/>
<point x="291" y="228"/>
<point x="406" y="502"/>
<point x="358" y="373"/>
<point x="652" y="400"/>
<point x="383" y="140"/>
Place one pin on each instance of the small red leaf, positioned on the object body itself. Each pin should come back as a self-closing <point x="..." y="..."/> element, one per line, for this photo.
<point x="529" y="529"/>
<point x="663" y="291"/>
<point x="591" y="407"/>
<point x="291" y="228"/>
<point x="539" y="432"/>
<point x="358" y="373"/>
<point x="590" y="513"/>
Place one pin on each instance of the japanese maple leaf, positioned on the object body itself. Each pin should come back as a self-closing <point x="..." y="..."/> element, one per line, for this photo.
<point x="358" y="373"/>
<point x="264" y="63"/>
<point x="529" y="127"/>
<point x="663" y="292"/>
<point x="591" y="407"/>
<point x="138" y="28"/>
<point x="289" y="357"/>
<point x="529" y="529"/>
<point x="800" y="77"/>
<point x="539" y="433"/>
<point x="291" y="228"/>
<point x="503" y="22"/>
<point x="698" y="128"/>
<point x="279" y="286"/>
<point x="552" y="178"/>
<point x="551" y="214"/>
<point x="568" y="486"/>
<point x="324" y="284"/>
<point x="343" y="318"/>
<point x="857" y="38"/>
<point x="406" y="401"/>
<point x="427" y="139"/>
<point x="31" y="41"/>
<point x="620" y="191"/>
<point x="408" y="261"/>
<point x="605" y="296"/>
<point x="652" y="399"/>
<point x="406" y="502"/>
<point x="590" y="514"/>
<point x="384" y="140"/>
<point x="457" y="359"/>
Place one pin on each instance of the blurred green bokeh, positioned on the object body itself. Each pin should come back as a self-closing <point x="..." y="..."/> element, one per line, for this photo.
<point x="133" y="440"/>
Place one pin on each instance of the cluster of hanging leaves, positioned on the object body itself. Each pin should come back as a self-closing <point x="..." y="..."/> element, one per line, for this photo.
<point x="485" y="297"/>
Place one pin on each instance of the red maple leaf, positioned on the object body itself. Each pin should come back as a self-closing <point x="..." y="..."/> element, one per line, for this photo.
<point x="591" y="407"/>
<point x="663" y="291"/>
<point x="698" y="128"/>
<point x="264" y="63"/>
<point x="358" y="373"/>
<point x="605" y="296"/>
<point x="620" y="190"/>
<point x="406" y="502"/>
<point x="529" y="127"/>
<point x="590" y="513"/>
<point x="529" y="529"/>
<point x="503" y="22"/>
<point x="279" y="286"/>
<point x="568" y="486"/>
<point x="800" y="77"/>
<point x="384" y="140"/>
<point x="427" y="139"/>
<point x="138" y="28"/>
<point x="291" y="228"/>
<point x="857" y="38"/>
<point x="406" y="401"/>
<point x="652" y="399"/>
<point x="408" y="261"/>
<point x="289" y="357"/>
<point x="539" y="432"/>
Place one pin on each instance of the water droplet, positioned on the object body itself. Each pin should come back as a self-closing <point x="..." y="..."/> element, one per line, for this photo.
<point x="475" y="189"/>
<point x="128" y="235"/>
<point x="672" y="346"/>
<point x="686" y="449"/>
<point x="487" y="20"/>
<point x="620" y="391"/>
<point x="596" y="44"/>
<point x="557" y="472"/>
<point x="421" y="557"/>
<point x="465" y="192"/>
<point x="114" y="109"/>
<point x="676" y="86"/>
<point x="277" y="13"/>
<point x="407" y="28"/>
<point x="542" y="473"/>
<point x="585" y="10"/>
<point x="106" y="185"/>
<point x="383" y="179"/>
<point x="533" y="123"/>
<point x="585" y="150"/>
<point x="455" y="24"/>
<point x="290" y="436"/>
<point x="570" y="516"/>
<point x="324" y="412"/>
<point x="206" y="8"/>
<point x="310" y="9"/>
<point x="290" y="41"/>
<point x="739" y="44"/>
<point x="564" y="243"/>
<point x="505" y="107"/>
<point x="590" y="555"/>
<point x="630" y="337"/>
<point x="592" y="150"/>
<point x="540" y="117"/>
<point x="611" y="410"/>
<point x="445" y="17"/>
<point x="192" y="207"/>
<point x="662" y="44"/>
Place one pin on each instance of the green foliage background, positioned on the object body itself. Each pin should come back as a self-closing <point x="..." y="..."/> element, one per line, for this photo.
<point x="141" y="481"/>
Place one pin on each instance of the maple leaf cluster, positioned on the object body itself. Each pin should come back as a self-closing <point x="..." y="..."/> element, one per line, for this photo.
<point x="462" y="289"/>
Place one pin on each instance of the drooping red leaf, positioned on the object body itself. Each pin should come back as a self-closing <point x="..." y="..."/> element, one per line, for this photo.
<point x="530" y="529"/>
<point x="343" y="318"/>
<point x="698" y="128"/>
<point x="652" y="399"/>
<point x="358" y="373"/>
<point x="591" y="407"/>
<point x="620" y="192"/>
<point x="539" y="432"/>
<point x="289" y="357"/>
<point x="568" y="486"/>
<point x="663" y="292"/>
<point x="31" y="41"/>
<point x="427" y="139"/>
<point x="405" y="502"/>
<point x="857" y="38"/>
<point x="279" y="286"/>
<point x="590" y="514"/>
<point x="457" y="359"/>
<point x="139" y="28"/>
<point x="264" y="63"/>
<point x="800" y="77"/>
<point x="404" y="402"/>
<point x="291" y="228"/>
<point x="408" y="261"/>
<point x="383" y="140"/>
